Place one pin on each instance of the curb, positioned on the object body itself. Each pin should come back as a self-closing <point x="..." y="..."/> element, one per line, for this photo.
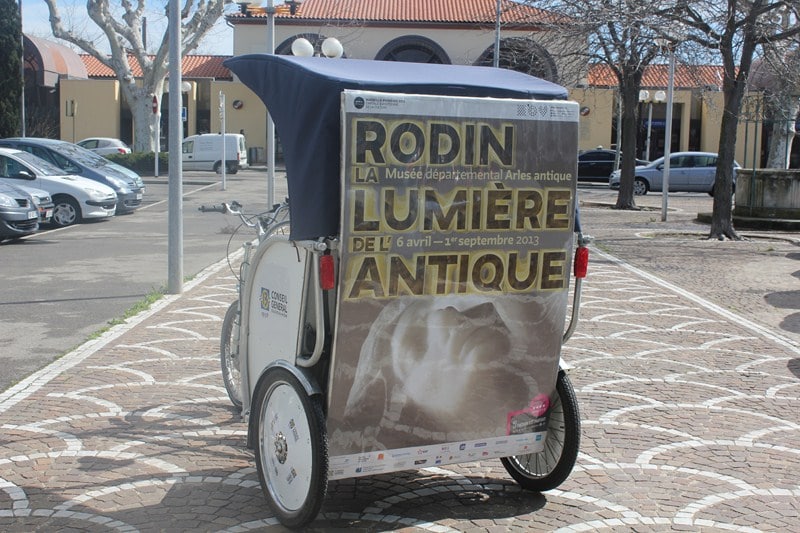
<point x="777" y="224"/>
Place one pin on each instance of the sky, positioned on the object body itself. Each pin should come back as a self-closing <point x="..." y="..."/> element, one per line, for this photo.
<point x="36" y="22"/>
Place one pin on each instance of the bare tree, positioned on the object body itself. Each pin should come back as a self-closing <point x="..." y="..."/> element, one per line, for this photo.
<point x="735" y="29"/>
<point x="626" y="36"/>
<point x="121" y="27"/>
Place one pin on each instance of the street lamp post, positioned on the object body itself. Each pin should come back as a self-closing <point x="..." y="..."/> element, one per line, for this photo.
<point x="224" y="165"/>
<point x="270" y="10"/>
<point x="668" y="132"/>
<point x="496" y="59"/>
<point x="644" y="97"/>
<point x="175" y="237"/>
<point x="658" y="97"/>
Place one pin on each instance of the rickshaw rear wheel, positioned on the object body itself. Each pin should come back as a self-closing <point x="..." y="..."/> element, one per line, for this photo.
<point x="229" y="354"/>
<point x="549" y="468"/>
<point x="292" y="454"/>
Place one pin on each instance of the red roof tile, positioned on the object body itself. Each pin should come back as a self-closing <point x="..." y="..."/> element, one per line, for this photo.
<point x="192" y="66"/>
<point x="686" y="76"/>
<point x="407" y="11"/>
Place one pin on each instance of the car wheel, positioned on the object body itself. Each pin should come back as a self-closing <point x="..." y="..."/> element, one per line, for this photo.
<point x="218" y="167"/>
<point x="66" y="211"/>
<point x="640" y="187"/>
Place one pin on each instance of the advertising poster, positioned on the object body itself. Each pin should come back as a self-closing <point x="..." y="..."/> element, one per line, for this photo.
<point x="456" y="250"/>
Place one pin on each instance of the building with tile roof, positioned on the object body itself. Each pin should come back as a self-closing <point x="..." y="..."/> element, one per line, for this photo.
<point x="192" y="67"/>
<point x="446" y="31"/>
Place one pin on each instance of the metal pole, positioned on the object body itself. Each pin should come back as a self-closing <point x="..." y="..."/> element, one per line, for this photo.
<point x="158" y="139"/>
<point x="22" y="73"/>
<point x="649" y="127"/>
<point x="270" y="123"/>
<point x="222" y="131"/>
<point x="668" y="134"/>
<point x="496" y="59"/>
<point x="175" y="240"/>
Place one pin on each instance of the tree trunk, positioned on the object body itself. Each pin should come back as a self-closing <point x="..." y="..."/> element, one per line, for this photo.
<point x="140" y="102"/>
<point x="630" y="121"/>
<point x="722" y="214"/>
<point x="145" y="123"/>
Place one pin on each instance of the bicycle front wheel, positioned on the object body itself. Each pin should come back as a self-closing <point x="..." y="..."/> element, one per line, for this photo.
<point x="229" y="354"/>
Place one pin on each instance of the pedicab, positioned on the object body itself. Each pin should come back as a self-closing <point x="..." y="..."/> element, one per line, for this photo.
<point x="414" y="315"/>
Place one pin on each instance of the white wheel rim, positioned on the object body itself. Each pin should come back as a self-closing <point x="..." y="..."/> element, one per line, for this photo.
<point x="285" y="447"/>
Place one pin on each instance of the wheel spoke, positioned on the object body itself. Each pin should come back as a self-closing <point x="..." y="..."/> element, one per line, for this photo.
<point x="549" y="467"/>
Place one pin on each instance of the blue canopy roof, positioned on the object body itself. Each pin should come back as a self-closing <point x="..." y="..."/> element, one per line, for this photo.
<point x="303" y="96"/>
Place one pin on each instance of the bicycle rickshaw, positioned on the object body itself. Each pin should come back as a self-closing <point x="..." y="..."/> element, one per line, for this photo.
<point x="414" y="315"/>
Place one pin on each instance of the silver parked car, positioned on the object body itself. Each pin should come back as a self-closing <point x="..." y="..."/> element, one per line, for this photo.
<point x="104" y="145"/>
<point x="688" y="172"/>
<point x="76" y="198"/>
<point x="74" y="160"/>
<point x="42" y="200"/>
<point x="19" y="215"/>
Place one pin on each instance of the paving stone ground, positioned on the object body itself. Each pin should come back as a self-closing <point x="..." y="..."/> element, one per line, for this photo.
<point x="686" y="364"/>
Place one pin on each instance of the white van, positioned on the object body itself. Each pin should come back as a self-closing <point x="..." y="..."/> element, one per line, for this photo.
<point x="204" y="152"/>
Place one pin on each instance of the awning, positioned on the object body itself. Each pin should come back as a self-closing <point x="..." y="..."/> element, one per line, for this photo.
<point x="52" y="61"/>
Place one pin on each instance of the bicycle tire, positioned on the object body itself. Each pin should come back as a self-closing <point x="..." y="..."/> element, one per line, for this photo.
<point x="549" y="468"/>
<point x="229" y="354"/>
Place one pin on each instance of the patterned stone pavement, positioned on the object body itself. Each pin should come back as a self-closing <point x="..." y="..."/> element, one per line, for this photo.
<point x="690" y="421"/>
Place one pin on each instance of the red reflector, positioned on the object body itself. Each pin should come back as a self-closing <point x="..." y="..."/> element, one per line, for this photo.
<point x="581" y="261"/>
<point x="326" y="273"/>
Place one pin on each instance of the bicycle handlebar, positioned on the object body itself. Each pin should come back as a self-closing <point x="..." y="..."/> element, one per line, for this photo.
<point x="216" y="208"/>
<point x="234" y="208"/>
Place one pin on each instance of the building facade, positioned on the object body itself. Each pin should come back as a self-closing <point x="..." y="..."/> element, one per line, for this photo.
<point x="459" y="32"/>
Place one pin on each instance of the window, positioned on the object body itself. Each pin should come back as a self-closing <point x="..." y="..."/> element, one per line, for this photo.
<point x="64" y="163"/>
<point x="413" y="49"/>
<point x="523" y="55"/>
<point x="188" y="147"/>
<point x="681" y="161"/>
<point x="40" y="152"/>
<point x="705" y="161"/>
<point x="10" y="168"/>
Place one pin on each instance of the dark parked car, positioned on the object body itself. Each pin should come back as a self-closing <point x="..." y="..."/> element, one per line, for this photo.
<point x="598" y="164"/>
<point x="19" y="215"/>
<point x="73" y="159"/>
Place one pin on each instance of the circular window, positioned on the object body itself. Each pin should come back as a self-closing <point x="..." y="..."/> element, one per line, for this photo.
<point x="523" y="55"/>
<point x="413" y="49"/>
